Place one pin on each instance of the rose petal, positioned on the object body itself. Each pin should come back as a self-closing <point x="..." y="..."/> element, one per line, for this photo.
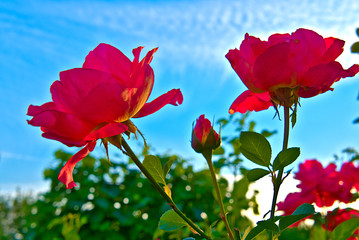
<point x="140" y="71"/>
<point x="351" y="72"/>
<point x="75" y="85"/>
<point x="109" y="59"/>
<point x="34" y="110"/>
<point x="249" y="101"/>
<point x="173" y="97"/>
<point x="202" y="128"/>
<point x="275" y="68"/>
<point x="319" y="79"/>
<point x="65" y="175"/>
<point x="243" y="67"/>
<point x="63" y="127"/>
<point x="310" y="46"/>
<point x="109" y="130"/>
<point x="334" y="50"/>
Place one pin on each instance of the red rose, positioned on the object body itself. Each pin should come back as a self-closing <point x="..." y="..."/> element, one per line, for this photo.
<point x="336" y="217"/>
<point x="350" y="175"/>
<point x="203" y="136"/>
<point x="97" y="100"/>
<point x="322" y="186"/>
<point x="302" y="63"/>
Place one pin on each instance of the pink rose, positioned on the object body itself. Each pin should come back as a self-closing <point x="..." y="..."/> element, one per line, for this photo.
<point x="97" y="101"/>
<point x="286" y="67"/>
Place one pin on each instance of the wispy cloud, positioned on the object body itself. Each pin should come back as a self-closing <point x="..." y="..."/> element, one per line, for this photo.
<point x="200" y="32"/>
<point x="204" y="30"/>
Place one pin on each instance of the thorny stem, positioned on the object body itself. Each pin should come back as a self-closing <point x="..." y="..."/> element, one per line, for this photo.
<point x="208" y="156"/>
<point x="278" y="180"/>
<point x="121" y="143"/>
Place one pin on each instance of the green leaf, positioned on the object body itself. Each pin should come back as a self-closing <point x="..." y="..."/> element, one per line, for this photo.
<point x="256" y="173"/>
<point x="344" y="230"/>
<point x="254" y="232"/>
<point x="218" y="151"/>
<point x="256" y="148"/>
<point x="357" y="31"/>
<point x="269" y="224"/>
<point x="171" y="221"/>
<point x="167" y="166"/>
<point x="285" y="157"/>
<point x="154" y="166"/>
<point x="301" y="212"/>
<point x="355" y="47"/>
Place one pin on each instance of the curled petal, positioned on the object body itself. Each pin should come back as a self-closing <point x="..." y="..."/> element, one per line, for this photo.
<point x="65" y="175"/>
<point x="109" y="130"/>
<point x="351" y="72"/>
<point x="173" y="97"/>
<point x="34" y="110"/>
<point x="249" y="101"/>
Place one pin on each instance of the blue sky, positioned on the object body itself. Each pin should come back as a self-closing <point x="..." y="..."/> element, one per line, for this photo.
<point x="41" y="38"/>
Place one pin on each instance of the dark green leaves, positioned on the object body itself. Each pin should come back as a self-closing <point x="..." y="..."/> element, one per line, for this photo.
<point x="256" y="173"/>
<point x="285" y="157"/>
<point x="171" y="221"/>
<point x="301" y="212"/>
<point x="344" y="230"/>
<point x="154" y="166"/>
<point x="256" y="148"/>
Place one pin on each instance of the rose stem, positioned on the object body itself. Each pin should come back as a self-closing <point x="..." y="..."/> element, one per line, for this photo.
<point x="208" y="156"/>
<point x="119" y="143"/>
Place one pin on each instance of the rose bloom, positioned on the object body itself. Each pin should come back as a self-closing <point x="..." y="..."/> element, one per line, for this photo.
<point x="319" y="185"/>
<point x="96" y="102"/>
<point x="203" y="136"/>
<point x="286" y="67"/>
<point x="336" y="217"/>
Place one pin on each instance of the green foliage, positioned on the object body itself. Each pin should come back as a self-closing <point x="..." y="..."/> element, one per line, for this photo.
<point x="300" y="213"/>
<point x="154" y="166"/>
<point x="256" y="173"/>
<point x="285" y="157"/>
<point x="116" y="201"/>
<point x="170" y="221"/>
<point x="256" y="148"/>
<point x="344" y="230"/>
<point x="355" y="46"/>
